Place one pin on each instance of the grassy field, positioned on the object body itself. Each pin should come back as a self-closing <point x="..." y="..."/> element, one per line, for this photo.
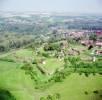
<point x="52" y="64"/>
<point x="15" y="80"/>
<point x="74" y="86"/>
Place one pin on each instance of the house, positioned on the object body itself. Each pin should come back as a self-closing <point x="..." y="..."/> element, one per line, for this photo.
<point x="87" y="42"/>
<point x="98" y="52"/>
<point x="98" y="43"/>
<point x="99" y="35"/>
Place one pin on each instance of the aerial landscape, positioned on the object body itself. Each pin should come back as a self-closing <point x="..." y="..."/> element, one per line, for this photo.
<point x="50" y="55"/>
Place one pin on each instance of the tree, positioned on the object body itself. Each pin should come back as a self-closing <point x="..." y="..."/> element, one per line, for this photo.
<point x="6" y="95"/>
<point x="57" y="96"/>
<point x="49" y="97"/>
<point x="93" y="37"/>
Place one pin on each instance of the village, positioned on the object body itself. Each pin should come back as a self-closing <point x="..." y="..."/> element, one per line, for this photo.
<point x="49" y="57"/>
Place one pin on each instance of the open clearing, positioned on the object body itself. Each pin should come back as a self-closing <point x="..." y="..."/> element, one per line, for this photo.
<point x="15" y="80"/>
<point x="72" y="88"/>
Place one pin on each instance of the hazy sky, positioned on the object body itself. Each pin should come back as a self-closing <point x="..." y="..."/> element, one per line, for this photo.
<point x="83" y="6"/>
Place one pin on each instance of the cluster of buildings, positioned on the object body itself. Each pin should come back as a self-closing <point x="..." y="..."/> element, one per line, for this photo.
<point x="72" y="33"/>
<point x="84" y="37"/>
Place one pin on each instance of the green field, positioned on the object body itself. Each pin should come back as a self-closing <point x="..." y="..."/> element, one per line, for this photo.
<point x="15" y="80"/>
<point x="73" y="88"/>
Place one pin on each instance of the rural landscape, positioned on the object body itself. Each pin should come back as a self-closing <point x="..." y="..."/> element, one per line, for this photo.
<point x="54" y="56"/>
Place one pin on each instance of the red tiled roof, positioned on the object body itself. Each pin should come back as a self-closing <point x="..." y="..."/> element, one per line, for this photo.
<point x="99" y="33"/>
<point x="99" y="43"/>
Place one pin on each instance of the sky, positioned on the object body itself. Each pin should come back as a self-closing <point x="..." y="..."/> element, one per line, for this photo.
<point x="74" y="6"/>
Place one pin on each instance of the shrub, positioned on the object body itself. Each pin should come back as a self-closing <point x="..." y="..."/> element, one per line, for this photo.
<point x="6" y="59"/>
<point x="101" y="95"/>
<point x="86" y="74"/>
<point x="100" y="73"/>
<point x="86" y="92"/>
<point x="34" y="62"/>
<point x="6" y="95"/>
<point x="49" y="97"/>
<point x="42" y="98"/>
<point x="96" y="92"/>
<point x="80" y="73"/>
<point x="52" y="46"/>
<point x="45" y="55"/>
<point x="57" y="96"/>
